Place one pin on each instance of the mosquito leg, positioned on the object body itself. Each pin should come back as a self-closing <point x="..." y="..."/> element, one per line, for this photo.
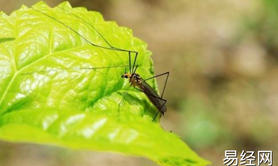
<point x="165" y="101"/>
<point x="132" y="68"/>
<point x="119" y="106"/>
<point x="135" y="68"/>
<point x="134" y="62"/>
<point x="165" y="83"/>
<point x="121" y="102"/>
<point x="157" y="76"/>
<point x="154" y="118"/>
<point x="156" y="114"/>
<point x="83" y="37"/>
<point x="159" y="98"/>
<point x="129" y="61"/>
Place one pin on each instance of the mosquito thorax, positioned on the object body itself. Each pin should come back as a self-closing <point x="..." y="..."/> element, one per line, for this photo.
<point x="135" y="76"/>
<point x="135" y="79"/>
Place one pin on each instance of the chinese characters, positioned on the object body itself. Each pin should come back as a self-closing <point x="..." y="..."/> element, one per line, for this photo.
<point x="248" y="158"/>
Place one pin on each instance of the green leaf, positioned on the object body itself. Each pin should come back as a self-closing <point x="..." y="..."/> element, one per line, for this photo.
<point x="47" y="96"/>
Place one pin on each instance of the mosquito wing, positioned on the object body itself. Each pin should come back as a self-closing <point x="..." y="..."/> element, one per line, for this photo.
<point x="157" y="101"/>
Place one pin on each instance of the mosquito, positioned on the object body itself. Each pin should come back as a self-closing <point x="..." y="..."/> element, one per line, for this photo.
<point x="134" y="78"/>
<point x="137" y="81"/>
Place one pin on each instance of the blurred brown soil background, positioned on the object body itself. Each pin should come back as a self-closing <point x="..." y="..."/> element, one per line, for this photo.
<point x="223" y="88"/>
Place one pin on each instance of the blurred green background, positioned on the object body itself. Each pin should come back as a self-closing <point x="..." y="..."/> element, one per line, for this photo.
<point x="223" y="88"/>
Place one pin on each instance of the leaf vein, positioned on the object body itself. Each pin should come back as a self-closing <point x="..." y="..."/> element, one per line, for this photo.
<point x="32" y="63"/>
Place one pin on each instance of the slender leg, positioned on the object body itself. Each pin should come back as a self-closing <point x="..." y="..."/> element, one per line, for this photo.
<point x="129" y="61"/>
<point x="121" y="102"/>
<point x="157" y="76"/>
<point x="154" y="118"/>
<point x="165" y="101"/>
<point x="104" y="67"/>
<point x="132" y="68"/>
<point x="135" y="68"/>
<point x="134" y="62"/>
<point x="165" y="83"/>
<point x="110" y="46"/>
<point x="159" y="98"/>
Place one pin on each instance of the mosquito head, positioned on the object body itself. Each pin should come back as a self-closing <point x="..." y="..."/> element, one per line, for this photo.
<point x="126" y="75"/>
<point x="133" y="77"/>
